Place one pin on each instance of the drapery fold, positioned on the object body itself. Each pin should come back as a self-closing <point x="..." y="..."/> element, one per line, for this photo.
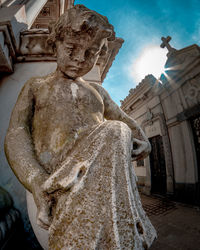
<point x="97" y="201"/>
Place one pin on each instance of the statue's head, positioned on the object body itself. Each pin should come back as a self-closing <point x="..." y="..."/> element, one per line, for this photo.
<point x="79" y="36"/>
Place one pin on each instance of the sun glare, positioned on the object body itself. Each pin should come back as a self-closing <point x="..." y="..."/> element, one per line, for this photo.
<point x="151" y="61"/>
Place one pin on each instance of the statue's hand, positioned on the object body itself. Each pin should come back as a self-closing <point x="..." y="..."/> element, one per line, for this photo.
<point x="141" y="149"/>
<point x="58" y="182"/>
<point x="43" y="203"/>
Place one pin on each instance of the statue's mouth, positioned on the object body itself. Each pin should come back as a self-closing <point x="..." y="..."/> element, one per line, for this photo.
<point x="73" y="68"/>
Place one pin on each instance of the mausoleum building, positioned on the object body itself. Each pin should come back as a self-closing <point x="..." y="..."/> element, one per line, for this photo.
<point x="168" y="110"/>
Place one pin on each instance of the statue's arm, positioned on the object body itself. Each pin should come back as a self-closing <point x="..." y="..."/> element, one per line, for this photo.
<point x="113" y="112"/>
<point x="18" y="142"/>
<point x="19" y="150"/>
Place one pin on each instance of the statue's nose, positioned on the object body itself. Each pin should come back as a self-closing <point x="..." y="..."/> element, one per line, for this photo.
<point x="80" y="57"/>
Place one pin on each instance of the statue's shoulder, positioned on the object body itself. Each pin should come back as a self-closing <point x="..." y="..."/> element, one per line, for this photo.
<point x="34" y="83"/>
<point x="99" y="88"/>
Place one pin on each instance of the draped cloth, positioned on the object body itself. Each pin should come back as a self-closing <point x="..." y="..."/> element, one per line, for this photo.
<point x="100" y="207"/>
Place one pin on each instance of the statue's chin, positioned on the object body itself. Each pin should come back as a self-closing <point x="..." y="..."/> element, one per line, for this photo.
<point x="40" y="233"/>
<point x="73" y="74"/>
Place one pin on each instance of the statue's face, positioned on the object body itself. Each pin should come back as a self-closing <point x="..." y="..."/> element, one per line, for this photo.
<point x="77" y="56"/>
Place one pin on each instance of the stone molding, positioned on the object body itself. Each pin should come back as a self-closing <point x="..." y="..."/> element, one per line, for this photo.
<point x="105" y="62"/>
<point x="34" y="46"/>
<point x="139" y="91"/>
<point x="6" y="64"/>
<point x="12" y="22"/>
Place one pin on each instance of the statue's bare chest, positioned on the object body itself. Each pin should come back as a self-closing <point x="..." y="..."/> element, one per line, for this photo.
<point x="61" y="113"/>
<point x="63" y="97"/>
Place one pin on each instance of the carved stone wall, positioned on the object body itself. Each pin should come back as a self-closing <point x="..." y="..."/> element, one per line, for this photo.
<point x="49" y="13"/>
<point x="191" y="91"/>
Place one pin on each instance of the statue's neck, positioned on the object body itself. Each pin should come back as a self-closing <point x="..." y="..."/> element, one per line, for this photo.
<point x="59" y="75"/>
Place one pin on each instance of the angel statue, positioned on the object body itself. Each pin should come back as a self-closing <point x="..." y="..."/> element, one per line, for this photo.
<point x="71" y="146"/>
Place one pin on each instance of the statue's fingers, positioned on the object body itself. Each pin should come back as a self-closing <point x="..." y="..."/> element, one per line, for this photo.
<point x="137" y="151"/>
<point x="43" y="225"/>
<point x="139" y="142"/>
<point x="138" y="157"/>
<point x="43" y="217"/>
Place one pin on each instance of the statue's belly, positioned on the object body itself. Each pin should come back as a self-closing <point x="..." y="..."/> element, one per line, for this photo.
<point x="53" y="138"/>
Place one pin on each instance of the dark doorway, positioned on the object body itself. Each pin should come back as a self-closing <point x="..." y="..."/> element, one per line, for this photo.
<point x="195" y="123"/>
<point x="158" y="168"/>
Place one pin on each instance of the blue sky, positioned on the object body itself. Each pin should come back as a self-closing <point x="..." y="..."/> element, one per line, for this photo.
<point x="142" y="23"/>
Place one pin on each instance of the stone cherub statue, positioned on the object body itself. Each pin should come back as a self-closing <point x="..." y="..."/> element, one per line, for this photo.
<point x="70" y="145"/>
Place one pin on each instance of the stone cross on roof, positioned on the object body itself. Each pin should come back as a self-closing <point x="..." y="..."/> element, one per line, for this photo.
<point x="166" y="44"/>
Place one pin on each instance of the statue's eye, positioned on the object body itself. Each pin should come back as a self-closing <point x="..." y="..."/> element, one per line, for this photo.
<point x="87" y="53"/>
<point x="69" y="49"/>
<point x="90" y="52"/>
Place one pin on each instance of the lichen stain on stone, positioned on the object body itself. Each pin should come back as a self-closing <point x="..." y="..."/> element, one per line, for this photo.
<point x="74" y="89"/>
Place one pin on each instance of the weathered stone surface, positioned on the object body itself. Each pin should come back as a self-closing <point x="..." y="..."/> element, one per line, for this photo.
<point x="41" y="234"/>
<point x="102" y="204"/>
<point x="76" y="164"/>
<point x="10" y="87"/>
<point x="33" y="42"/>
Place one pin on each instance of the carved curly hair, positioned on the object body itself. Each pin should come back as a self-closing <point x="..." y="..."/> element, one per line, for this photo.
<point x="80" y="20"/>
